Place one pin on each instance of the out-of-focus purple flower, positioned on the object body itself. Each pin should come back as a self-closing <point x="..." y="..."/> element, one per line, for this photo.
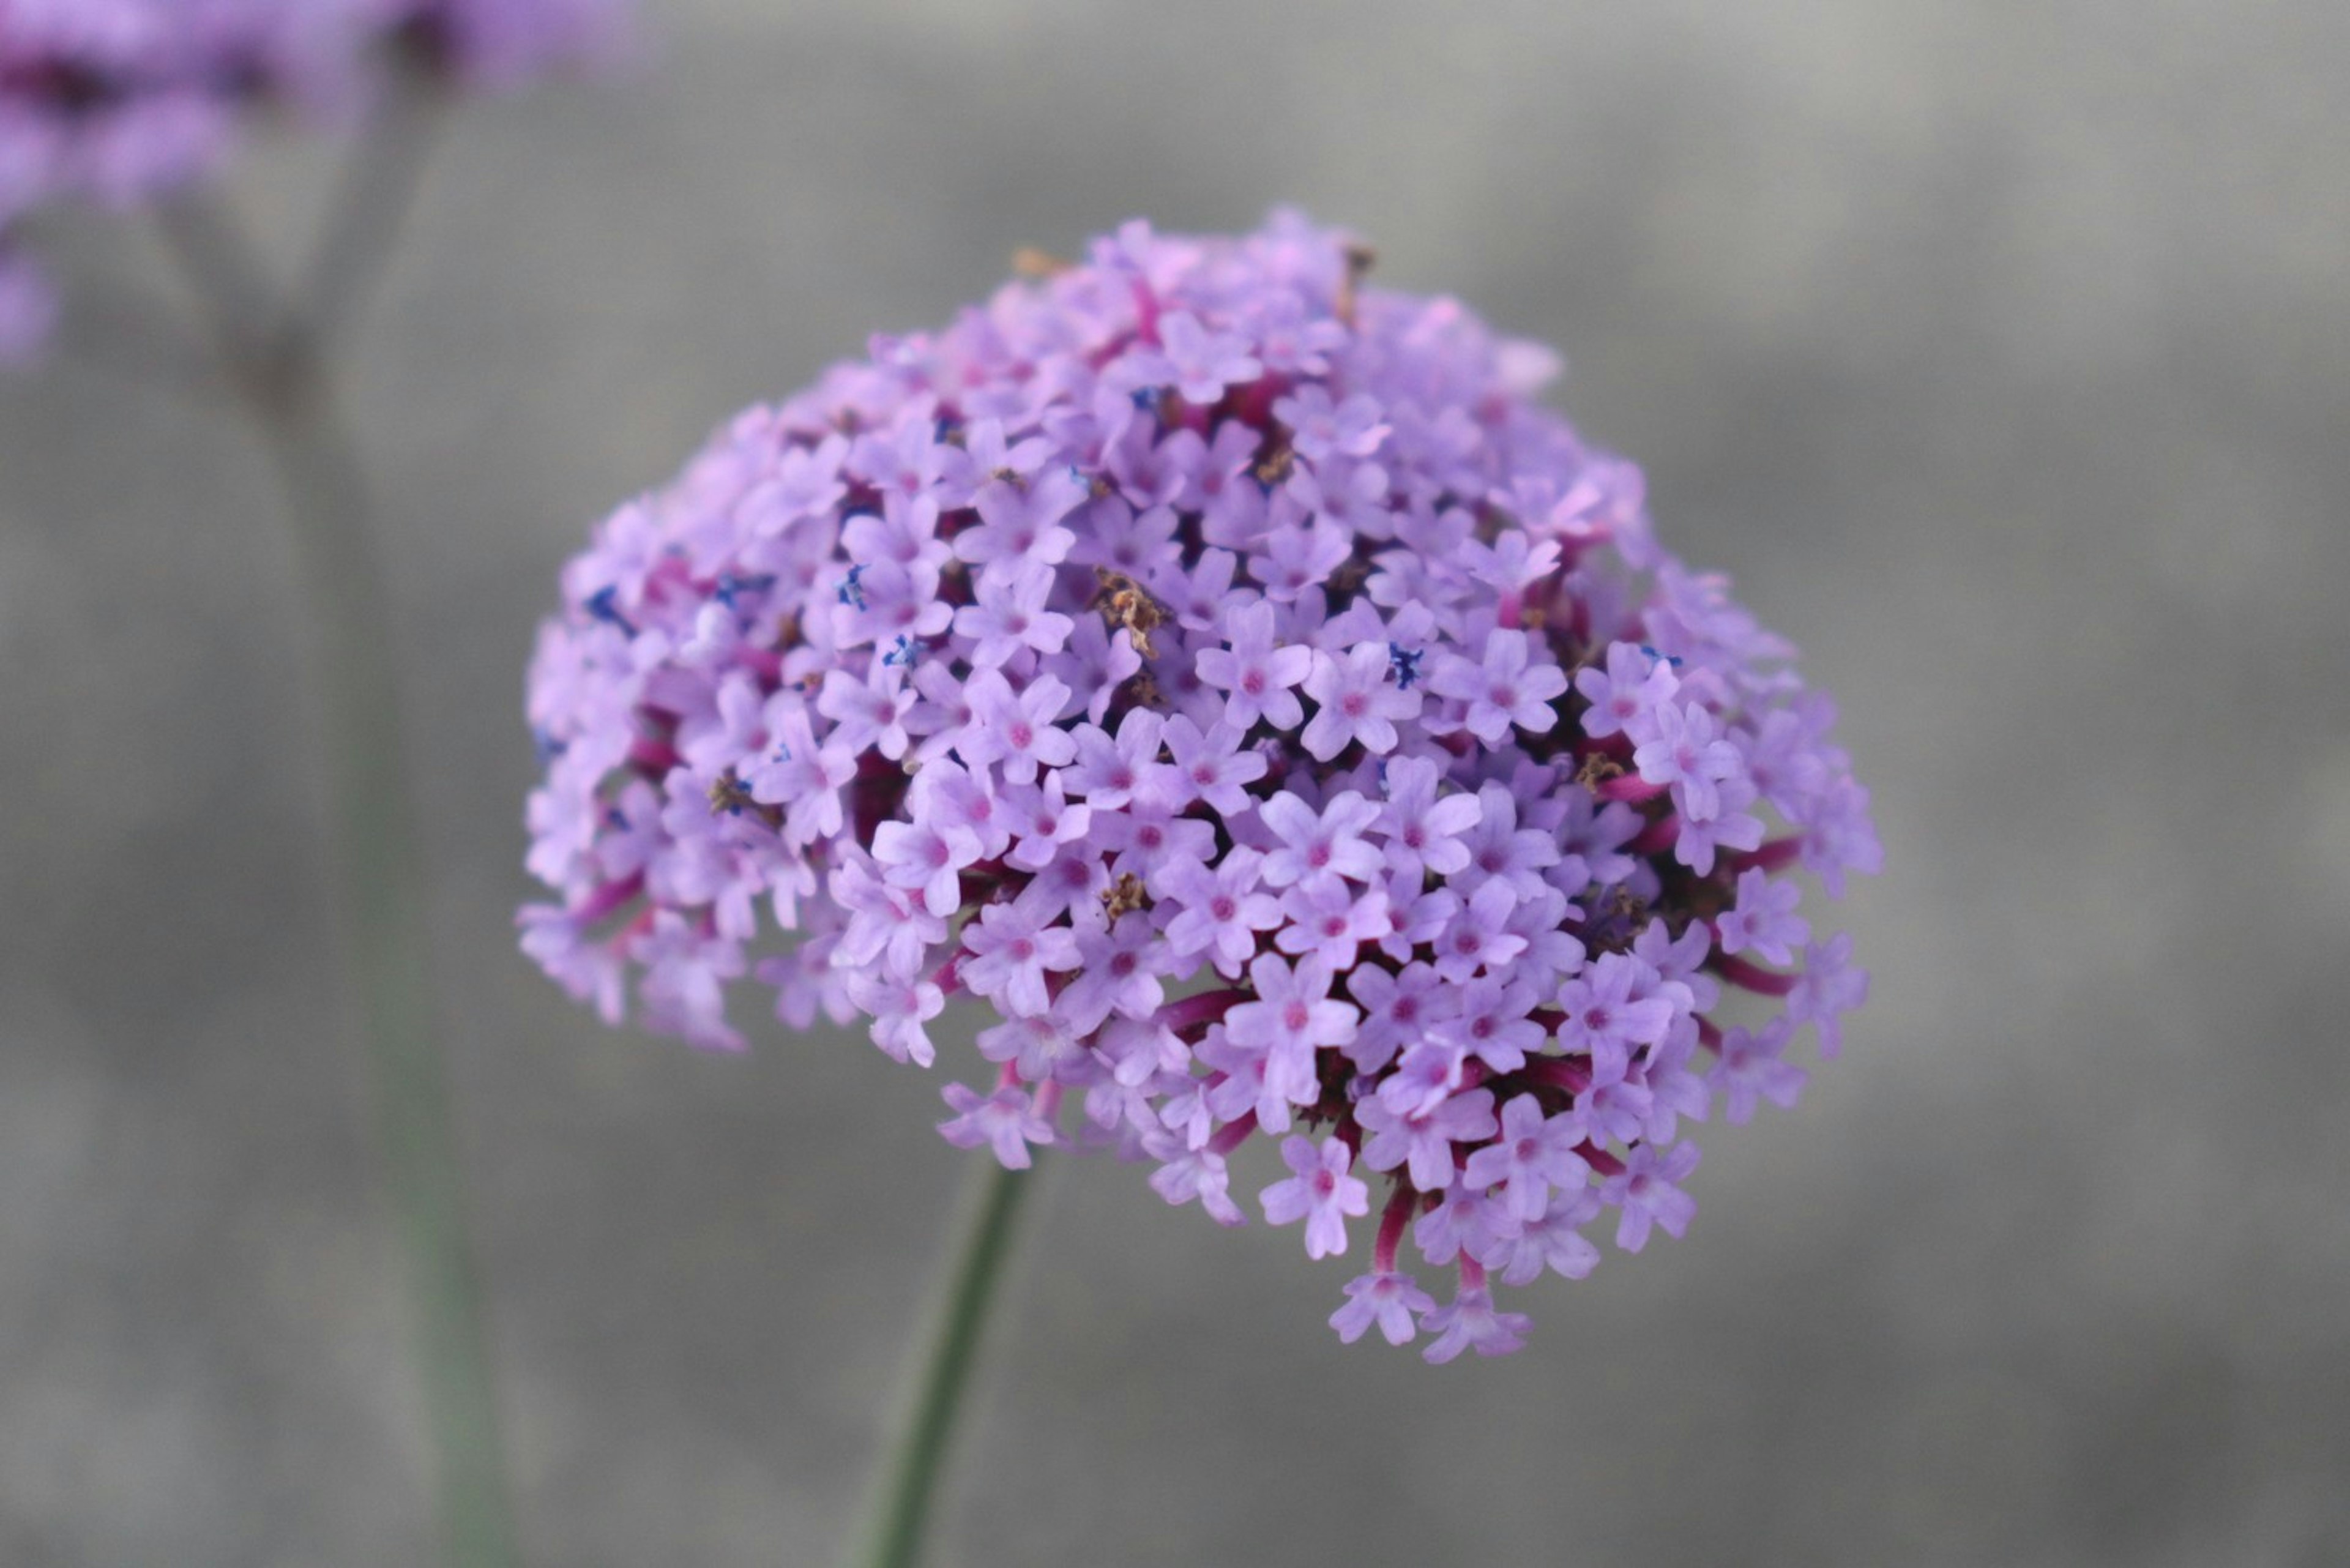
<point x="1225" y="671"/>
<point x="1469" y="1320"/>
<point x="121" y="102"/>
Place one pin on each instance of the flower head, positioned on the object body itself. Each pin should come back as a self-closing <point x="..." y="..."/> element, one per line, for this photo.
<point x="1228" y="674"/>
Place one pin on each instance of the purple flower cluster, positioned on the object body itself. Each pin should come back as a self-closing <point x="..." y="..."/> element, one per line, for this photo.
<point x="1229" y="675"/>
<point x="120" y="101"/>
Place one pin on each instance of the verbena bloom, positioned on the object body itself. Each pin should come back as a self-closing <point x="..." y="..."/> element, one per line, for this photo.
<point x="1285" y="726"/>
<point x="121" y="102"/>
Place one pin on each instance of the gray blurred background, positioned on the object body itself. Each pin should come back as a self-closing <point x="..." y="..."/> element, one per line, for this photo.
<point x="2002" y="353"/>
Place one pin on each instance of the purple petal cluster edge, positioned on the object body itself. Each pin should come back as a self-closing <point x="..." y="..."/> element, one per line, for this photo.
<point x="1230" y="675"/>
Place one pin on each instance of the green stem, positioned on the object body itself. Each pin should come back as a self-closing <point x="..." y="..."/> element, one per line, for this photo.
<point x="903" y="1494"/>
<point x="279" y="368"/>
<point x="380" y="184"/>
<point x="378" y="852"/>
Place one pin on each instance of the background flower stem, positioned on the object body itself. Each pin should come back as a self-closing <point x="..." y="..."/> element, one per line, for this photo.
<point x="277" y="360"/>
<point x="908" y="1483"/>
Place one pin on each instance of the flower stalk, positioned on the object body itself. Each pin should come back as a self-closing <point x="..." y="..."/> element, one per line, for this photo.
<point x="908" y="1483"/>
<point x="278" y="363"/>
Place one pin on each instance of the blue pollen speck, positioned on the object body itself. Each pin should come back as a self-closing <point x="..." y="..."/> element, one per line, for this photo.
<point x="852" y="592"/>
<point x="903" y="652"/>
<point x="1144" y="397"/>
<point x="547" y="747"/>
<point x="1667" y="658"/>
<point x="731" y="587"/>
<point x="603" y="604"/>
<point x="1383" y="776"/>
<point x="1403" y="663"/>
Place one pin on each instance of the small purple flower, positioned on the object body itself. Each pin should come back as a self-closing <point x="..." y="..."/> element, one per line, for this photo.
<point x="686" y="970"/>
<point x="1383" y="1297"/>
<point x="1702" y="837"/>
<point x="1010" y="616"/>
<point x="1118" y="972"/>
<point x="1108" y="771"/>
<point x="1502" y="851"/>
<point x="902" y="1011"/>
<point x="1422" y="830"/>
<point x="1314" y="847"/>
<point x="1469" y="1320"/>
<point x="866" y="713"/>
<point x="1042" y="819"/>
<point x="1533" y="1154"/>
<point x="1605" y="1016"/>
<point x="1423" y="1076"/>
<point x="1763" y="918"/>
<point x="1199" y="363"/>
<point x="1686" y="751"/>
<point x="928" y="857"/>
<point x="1209" y="765"/>
<point x="1504" y="688"/>
<point x="1188" y="1173"/>
<point x="1019" y="526"/>
<point x="1828" y="987"/>
<point x="1006" y="1121"/>
<point x="1626" y="696"/>
<point x="1292" y="1017"/>
<point x="1010" y="949"/>
<point x="1219" y="912"/>
<point x="1399" y="1007"/>
<point x="1478" y="939"/>
<point x="1320" y="1192"/>
<point x="1041" y="1048"/>
<point x="1753" y="1066"/>
<point x="1491" y="1022"/>
<point x="1320" y="429"/>
<point x="1554" y="1242"/>
<point x="1466" y="1223"/>
<point x="1357" y="702"/>
<point x="1016" y="729"/>
<point x="1296" y="559"/>
<point x="1645" y="1193"/>
<point x="1332" y="922"/>
<point x="1423" y="1142"/>
<point x="1258" y="674"/>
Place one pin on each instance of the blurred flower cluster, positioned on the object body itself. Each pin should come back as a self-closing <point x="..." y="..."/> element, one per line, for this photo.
<point x="121" y="102"/>
<point x="1228" y="673"/>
